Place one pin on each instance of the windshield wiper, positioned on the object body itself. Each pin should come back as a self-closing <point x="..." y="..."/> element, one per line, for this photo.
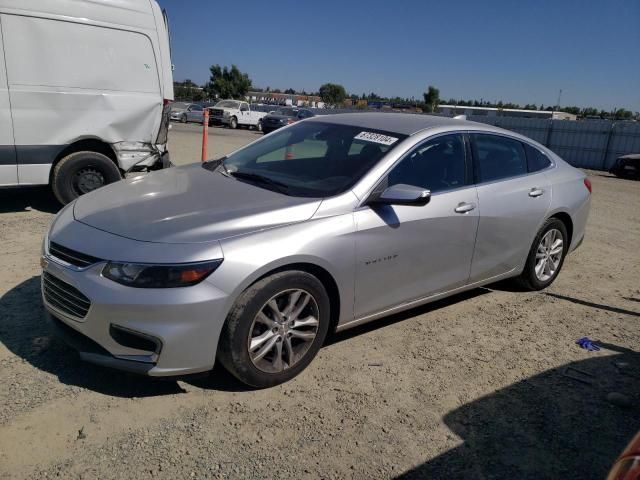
<point x="256" y="177"/>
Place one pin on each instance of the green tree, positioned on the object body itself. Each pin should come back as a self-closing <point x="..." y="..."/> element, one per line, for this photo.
<point x="332" y="93"/>
<point x="228" y="82"/>
<point x="431" y="98"/>
<point x="290" y="91"/>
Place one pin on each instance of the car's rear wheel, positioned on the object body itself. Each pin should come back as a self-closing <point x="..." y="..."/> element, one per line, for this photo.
<point x="80" y="173"/>
<point x="546" y="256"/>
<point x="275" y="329"/>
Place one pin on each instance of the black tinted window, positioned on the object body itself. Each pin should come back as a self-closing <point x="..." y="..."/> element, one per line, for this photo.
<point x="498" y="157"/>
<point x="536" y="160"/>
<point x="436" y="165"/>
<point x="196" y="108"/>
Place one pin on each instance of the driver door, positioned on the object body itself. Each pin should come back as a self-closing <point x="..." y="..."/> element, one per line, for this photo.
<point x="404" y="252"/>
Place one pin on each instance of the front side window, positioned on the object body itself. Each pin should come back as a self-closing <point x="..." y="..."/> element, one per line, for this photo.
<point x="536" y="160"/>
<point x="312" y="159"/>
<point x="244" y="107"/>
<point x="498" y="157"/>
<point x="196" y="108"/>
<point x="436" y="165"/>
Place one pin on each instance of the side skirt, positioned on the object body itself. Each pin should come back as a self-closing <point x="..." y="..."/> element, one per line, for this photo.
<point x="422" y="301"/>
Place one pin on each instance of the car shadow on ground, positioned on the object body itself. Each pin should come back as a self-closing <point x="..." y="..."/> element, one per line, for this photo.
<point x="558" y="424"/>
<point x="25" y="198"/>
<point x="26" y="333"/>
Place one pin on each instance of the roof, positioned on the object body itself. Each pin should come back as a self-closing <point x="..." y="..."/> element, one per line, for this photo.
<point x="403" y="123"/>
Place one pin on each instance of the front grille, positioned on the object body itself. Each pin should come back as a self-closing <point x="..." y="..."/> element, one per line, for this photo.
<point x="64" y="297"/>
<point x="71" y="256"/>
<point x="216" y="112"/>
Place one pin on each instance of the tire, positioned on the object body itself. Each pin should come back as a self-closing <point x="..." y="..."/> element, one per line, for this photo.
<point x="242" y="325"/>
<point x="80" y="173"/>
<point x="259" y="126"/>
<point x="529" y="279"/>
<point x="183" y="118"/>
<point x="233" y="123"/>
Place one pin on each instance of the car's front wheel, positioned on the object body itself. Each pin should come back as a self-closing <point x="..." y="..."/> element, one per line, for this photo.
<point x="546" y="256"/>
<point x="275" y="329"/>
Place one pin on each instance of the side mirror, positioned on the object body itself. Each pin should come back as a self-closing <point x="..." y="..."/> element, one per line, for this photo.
<point x="402" y="194"/>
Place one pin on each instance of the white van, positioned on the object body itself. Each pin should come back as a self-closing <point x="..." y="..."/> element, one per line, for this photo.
<point x="85" y="87"/>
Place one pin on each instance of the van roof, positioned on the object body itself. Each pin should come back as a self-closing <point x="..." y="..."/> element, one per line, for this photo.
<point x="131" y="13"/>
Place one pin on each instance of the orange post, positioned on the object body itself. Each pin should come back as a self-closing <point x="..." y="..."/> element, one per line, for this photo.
<point x="205" y="133"/>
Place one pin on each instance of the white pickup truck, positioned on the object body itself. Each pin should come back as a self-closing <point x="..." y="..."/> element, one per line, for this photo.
<point x="234" y="113"/>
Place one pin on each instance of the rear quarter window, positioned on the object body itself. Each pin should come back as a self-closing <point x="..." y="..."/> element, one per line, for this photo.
<point x="55" y="53"/>
<point x="536" y="160"/>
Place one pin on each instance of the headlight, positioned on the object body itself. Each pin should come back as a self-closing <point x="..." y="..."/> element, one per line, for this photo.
<point x="225" y="113"/>
<point x="140" y="275"/>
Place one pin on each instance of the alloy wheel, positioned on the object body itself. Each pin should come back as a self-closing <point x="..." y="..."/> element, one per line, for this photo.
<point x="549" y="254"/>
<point x="283" y="330"/>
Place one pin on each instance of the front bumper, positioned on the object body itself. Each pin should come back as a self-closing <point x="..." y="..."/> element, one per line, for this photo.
<point x="184" y="323"/>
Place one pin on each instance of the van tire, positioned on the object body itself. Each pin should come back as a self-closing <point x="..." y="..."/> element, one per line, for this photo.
<point x="80" y="173"/>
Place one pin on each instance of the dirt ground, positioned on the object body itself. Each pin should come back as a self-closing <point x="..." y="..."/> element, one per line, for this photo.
<point x="475" y="386"/>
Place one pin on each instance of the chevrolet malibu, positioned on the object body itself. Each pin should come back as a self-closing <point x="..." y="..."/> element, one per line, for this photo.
<point x="326" y="224"/>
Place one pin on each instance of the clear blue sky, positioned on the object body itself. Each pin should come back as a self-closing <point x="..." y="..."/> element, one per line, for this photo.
<point x="519" y="51"/>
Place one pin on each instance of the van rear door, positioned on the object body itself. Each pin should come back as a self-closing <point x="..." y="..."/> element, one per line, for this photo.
<point x="8" y="165"/>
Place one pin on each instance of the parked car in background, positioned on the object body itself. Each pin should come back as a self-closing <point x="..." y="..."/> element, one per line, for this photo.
<point x="326" y="224"/>
<point x="284" y="116"/>
<point x="627" y="166"/>
<point x="235" y="113"/>
<point x="178" y="109"/>
<point x="85" y="88"/>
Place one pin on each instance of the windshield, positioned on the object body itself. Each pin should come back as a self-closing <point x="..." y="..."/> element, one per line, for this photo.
<point x="312" y="159"/>
<point x="228" y="104"/>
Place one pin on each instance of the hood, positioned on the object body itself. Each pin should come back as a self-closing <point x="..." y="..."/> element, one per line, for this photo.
<point x="188" y="205"/>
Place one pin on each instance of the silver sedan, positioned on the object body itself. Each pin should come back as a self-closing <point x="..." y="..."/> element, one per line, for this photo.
<point x="323" y="225"/>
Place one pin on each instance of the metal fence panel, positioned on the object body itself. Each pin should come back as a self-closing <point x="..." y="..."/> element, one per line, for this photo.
<point x="591" y="144"/>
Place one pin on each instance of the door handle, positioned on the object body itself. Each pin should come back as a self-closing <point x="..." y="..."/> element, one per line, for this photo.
<point x="464" y="207"/>
<point x="536" y="192"/>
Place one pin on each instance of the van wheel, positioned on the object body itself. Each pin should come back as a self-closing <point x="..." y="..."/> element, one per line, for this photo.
<point x="233" y="122"/>
<point x="275" y="329"/>
<point x="80" y="173"/>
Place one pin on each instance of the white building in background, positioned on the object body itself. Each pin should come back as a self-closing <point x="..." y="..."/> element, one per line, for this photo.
<point x="503" y="112"/>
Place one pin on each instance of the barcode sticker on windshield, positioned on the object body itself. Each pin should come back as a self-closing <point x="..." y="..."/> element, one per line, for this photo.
<point x="376" y="138"/>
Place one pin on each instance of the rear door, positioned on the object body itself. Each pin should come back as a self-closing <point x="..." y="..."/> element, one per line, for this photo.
<point x="8" y="165"/>
<point x="513" y="203"/>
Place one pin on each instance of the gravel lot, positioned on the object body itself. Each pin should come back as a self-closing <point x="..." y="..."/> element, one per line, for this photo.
<point x="471" y="387"/>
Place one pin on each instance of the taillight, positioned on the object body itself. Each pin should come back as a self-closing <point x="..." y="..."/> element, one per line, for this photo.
<point x="166" y="102"/>
<point x="587" y="183"/>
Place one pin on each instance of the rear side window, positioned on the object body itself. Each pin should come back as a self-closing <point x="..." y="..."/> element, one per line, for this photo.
<point x="498" y="157"/>
<point x="536" y="160"/>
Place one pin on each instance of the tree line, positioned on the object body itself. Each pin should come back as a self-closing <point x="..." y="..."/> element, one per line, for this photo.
<point x="230" y="82"/>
